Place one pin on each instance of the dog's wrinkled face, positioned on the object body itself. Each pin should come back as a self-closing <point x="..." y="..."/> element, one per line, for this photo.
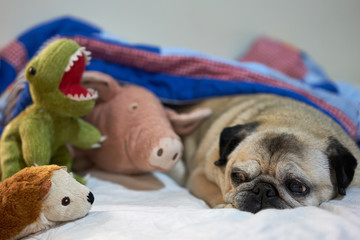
<point x="278" y="169"/>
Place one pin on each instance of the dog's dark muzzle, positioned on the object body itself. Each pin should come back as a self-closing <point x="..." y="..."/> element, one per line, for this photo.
<point x="263" y="195"/>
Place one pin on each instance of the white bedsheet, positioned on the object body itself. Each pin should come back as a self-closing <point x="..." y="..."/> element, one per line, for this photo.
<point x="173" y="213"/>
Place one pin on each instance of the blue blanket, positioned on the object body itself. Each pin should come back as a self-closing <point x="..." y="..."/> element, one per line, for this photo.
<point x="179" y="76"/>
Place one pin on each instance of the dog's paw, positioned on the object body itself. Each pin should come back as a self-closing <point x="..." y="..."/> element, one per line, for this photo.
<point x="224" y="205"/>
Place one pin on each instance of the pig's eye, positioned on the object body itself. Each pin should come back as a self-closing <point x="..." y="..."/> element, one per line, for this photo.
<point x="134" y="106"/>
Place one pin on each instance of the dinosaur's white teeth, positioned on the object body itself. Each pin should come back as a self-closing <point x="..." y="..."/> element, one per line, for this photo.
<point x="92" y="91"/>
<point x="67" y="68"/>
<point x="75" y="57"/>
<point x="80" y="51"/>
<point x="91" y="94"/>
<point x="87" y="56"/>
<point x="95" y="95"/>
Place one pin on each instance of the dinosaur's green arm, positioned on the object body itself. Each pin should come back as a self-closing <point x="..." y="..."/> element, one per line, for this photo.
<point x="87" y="136"/>
<point x="36" y="137"/>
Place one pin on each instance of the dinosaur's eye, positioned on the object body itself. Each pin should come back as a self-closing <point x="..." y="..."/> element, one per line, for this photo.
<point x="65" y="201"/>
<point x="32" y="70"/>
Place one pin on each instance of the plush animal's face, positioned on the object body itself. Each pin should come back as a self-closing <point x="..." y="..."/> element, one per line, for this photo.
<point x="140" y="120"/>
<point x="54" y="77"/>
<point x="277" y="169"/>
<point x="67" y="199"/>
<point x="143" y="122"/>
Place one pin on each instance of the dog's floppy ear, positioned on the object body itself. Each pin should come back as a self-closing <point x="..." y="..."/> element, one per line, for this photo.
<point x="230" y="137"/>
<point x="342" y="162"/>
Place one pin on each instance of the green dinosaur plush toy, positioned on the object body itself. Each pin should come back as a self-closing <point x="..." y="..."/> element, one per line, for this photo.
<point x="38" y="136"/>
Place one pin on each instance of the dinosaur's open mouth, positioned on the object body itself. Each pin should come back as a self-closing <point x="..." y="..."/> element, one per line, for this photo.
<point x="70" y="83"/>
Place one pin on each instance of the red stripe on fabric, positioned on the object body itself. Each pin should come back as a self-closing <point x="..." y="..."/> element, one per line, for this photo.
<point x="15" y="53"/>
<point x="152" y="62"/>
<point x="197" y="68"/>
<point x="277" y="55"/>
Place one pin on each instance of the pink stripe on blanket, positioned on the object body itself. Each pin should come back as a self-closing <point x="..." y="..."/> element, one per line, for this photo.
<point x="15" y="54"/>
<point x="195" y="67"/>
<point x="176" y="65"/>
<point x="277" y="55"/>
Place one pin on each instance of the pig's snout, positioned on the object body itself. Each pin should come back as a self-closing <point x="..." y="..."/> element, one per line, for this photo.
<point x="166" y="153"/>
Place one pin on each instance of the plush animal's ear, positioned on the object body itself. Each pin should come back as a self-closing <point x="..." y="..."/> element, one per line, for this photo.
<point x="185" y="123"/>
<point x="44" y="189"/>
<point x="104" y="84"/>
<point x="230" y="137"/>
<point x="63" y="168"/>
<point x="342" y="162"/>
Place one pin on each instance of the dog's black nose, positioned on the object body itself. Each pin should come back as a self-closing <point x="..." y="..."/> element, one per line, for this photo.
<point x="263" y="195"/>
<point x="90" y="198"/>
<point x="265" y="190"/>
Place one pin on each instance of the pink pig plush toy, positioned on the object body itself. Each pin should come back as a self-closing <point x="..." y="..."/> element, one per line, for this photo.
<point x="141" y="134"/>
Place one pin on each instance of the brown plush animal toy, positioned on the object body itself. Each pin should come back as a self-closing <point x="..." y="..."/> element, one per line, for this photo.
<point x="37" y="198"/>
<point x="141" y="135"/>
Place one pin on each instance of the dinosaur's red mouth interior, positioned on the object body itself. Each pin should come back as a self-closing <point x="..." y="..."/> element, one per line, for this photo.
<point x="70" y="83"/>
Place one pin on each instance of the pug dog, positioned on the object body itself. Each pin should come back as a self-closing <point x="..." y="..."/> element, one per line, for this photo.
<point x="265" y="151"/>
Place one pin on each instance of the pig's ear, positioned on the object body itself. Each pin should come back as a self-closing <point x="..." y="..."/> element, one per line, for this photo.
<point x="185" y="123"/>
<point x="104" y="84"/>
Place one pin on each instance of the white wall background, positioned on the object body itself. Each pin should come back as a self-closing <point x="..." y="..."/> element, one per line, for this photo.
<point x="328" y="30"/>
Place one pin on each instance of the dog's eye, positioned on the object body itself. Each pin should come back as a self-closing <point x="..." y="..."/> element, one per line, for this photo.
<point x="296" y="187"/>
<point x="65" y="201"/>
<point x="238" y="176"/>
